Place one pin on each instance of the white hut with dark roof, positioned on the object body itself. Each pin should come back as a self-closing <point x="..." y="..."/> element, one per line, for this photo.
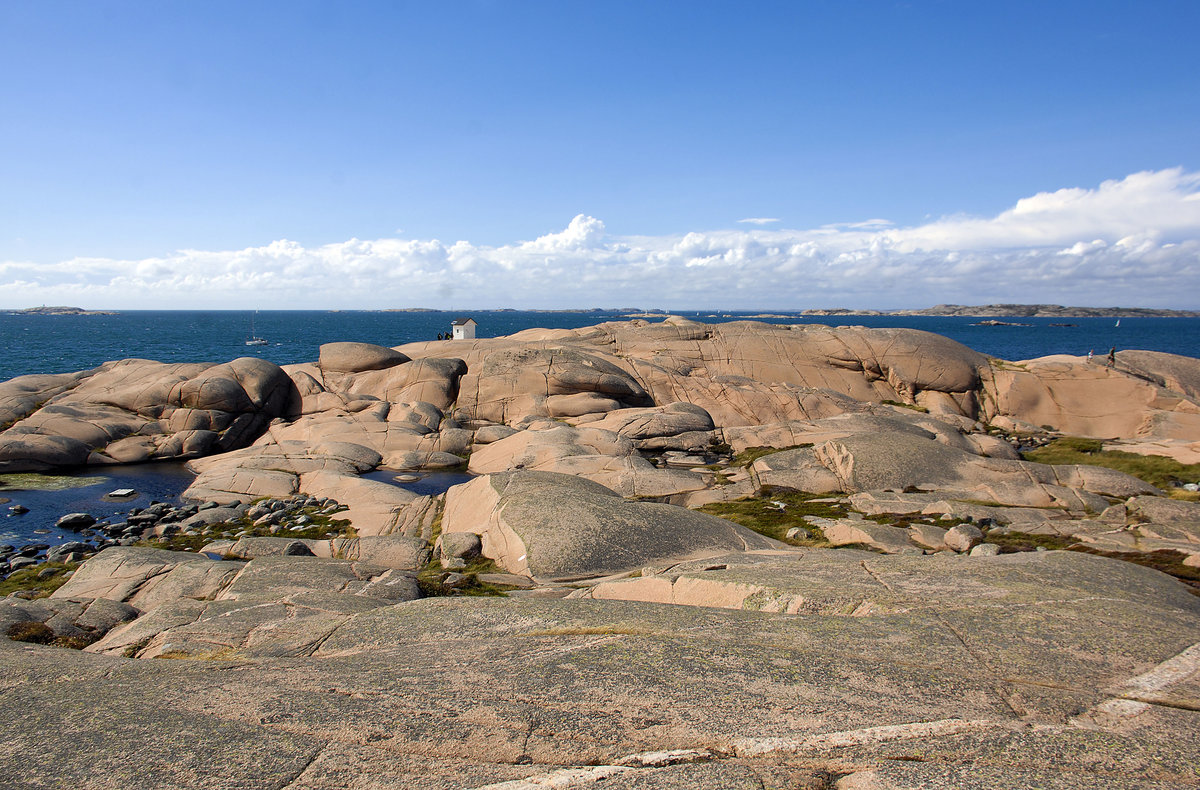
<point x="463" y="328"/>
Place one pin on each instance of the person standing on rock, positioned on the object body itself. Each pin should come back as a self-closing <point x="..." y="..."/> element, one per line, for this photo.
<point x="1112" y="357"/>
<point x="1091" y="351"/>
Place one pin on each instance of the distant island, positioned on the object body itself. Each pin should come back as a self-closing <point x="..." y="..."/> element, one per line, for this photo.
<point x="44" y="310"/>
<point x="1020" y="311"/>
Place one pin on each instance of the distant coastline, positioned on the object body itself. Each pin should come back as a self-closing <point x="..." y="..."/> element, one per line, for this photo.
<point x="1019" y="311"/>
<point x="937" y="311"/>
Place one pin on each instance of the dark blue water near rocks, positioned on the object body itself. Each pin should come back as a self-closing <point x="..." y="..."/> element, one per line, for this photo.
<point x="161" y="482"/>
<point x="427" y="483"/>
<point x="61" y="344"/>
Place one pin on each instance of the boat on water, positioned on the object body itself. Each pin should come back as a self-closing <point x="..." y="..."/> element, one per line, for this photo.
<point x="255" y="340"/>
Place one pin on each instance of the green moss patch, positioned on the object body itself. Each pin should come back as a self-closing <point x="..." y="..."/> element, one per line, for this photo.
<point x="1012" y="542"/>
<point x="911" y="406"/>
<point x="40" y="634"/>
<point x="752" y="454"/>
<point x="33" y="481"/>
<point x="909" y="519"/>
<point x="760" y="514"/>
<point x="1169" y="562"/>
<point x="27" y="582"/>
<point x="429" y="580"/>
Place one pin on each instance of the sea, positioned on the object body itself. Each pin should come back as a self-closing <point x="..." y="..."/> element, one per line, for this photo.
<point x="64" y="343"/>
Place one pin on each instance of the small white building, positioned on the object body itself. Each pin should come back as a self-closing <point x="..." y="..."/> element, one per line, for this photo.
<point x="463" y="328"/>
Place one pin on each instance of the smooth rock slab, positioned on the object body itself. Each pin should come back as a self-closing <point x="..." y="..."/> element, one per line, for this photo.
<point x="555" y="526"/>
<point x="541" y="686"/>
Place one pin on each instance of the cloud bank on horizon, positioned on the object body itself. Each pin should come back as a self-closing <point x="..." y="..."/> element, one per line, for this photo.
<point x="1133" y="242"/>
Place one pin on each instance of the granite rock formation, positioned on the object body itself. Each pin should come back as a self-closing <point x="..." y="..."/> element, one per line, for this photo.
<point x="870" y="634"/>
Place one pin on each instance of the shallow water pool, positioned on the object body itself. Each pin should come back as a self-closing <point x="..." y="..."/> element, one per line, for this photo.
<point x="428" y="483"/>
<point x="51" y="496"/>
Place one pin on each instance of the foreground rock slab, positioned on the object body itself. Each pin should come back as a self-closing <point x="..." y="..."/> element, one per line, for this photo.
<point x="1055" y="670"/>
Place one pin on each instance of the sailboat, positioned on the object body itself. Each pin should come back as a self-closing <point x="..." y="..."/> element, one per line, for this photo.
<point x="1118" y="323"/>
<point x="255" y="340"/>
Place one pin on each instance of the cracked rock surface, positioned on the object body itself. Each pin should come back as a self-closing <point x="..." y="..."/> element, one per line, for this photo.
<point x="1054" y="669"/>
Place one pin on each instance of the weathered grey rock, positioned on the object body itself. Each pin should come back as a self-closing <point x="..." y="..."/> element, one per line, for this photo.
<point x="463" y="545"/>
<point x="493" y="433"/>
<point x="505" y="385"/>
<point x="985" y="550"/>
<point x="145" y="577"/>
<point x="1164" y="511"/>
<point x="137" y="410"/>
<point x="276" y="577"/>
<point x="387" y="551"/>
<point x="506" y="580"/>
<point x="208" y="516"/>
<point x="885" y="538"/>
<point x="103" y="614"/>
<point x="669" y="420"/>
<point x="249" y="548"/>
<point x="928" y="535"/>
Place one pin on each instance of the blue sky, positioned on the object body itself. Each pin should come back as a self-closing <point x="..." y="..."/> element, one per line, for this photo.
<point x="238" y="152"/>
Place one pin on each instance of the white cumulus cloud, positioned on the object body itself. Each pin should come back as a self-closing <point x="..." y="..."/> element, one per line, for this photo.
<point x="583" y="233"/>
<point x="1133" y="241"/>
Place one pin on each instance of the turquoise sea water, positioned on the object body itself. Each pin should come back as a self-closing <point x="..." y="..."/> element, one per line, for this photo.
<point x="60" y="344"/>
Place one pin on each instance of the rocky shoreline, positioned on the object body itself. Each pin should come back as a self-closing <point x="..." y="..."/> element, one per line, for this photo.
<point x="690" y="555"/>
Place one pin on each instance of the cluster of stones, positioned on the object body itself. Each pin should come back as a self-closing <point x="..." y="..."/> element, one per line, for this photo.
<point x="163" y="521"/>
<point x="924" y="536"/>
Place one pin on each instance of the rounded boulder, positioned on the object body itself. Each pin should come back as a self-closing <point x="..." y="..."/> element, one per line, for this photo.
<point x="358" y="357"/>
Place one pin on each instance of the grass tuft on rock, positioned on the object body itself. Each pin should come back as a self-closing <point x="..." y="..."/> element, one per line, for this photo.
<point x="1157" y="470"/>
<point x="37" y="481"/>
